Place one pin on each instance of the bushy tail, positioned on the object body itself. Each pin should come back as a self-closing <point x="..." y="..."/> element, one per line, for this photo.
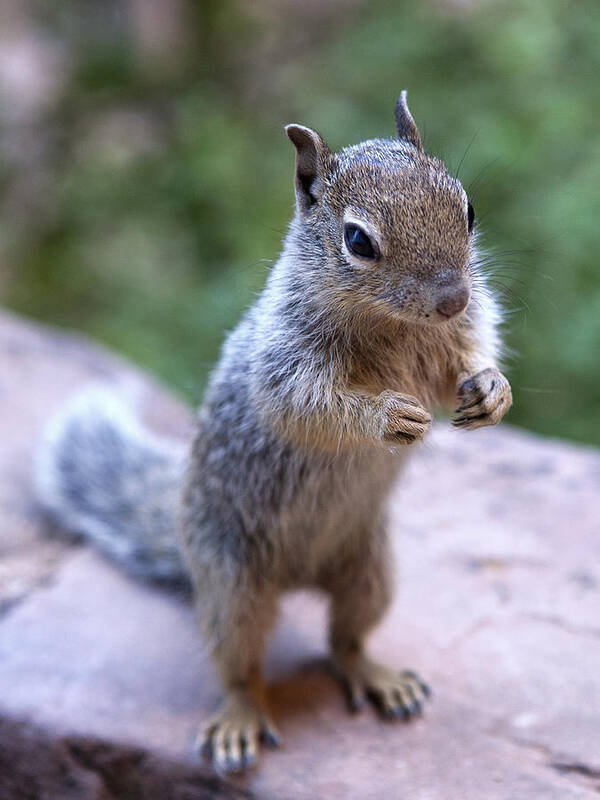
<point x="102" y="476"/>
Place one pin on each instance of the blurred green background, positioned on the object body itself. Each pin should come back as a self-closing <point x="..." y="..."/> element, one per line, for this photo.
<point x="146" y="182"/>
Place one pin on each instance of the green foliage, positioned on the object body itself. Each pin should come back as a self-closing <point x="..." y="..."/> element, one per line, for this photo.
<point x="159" y="237"/>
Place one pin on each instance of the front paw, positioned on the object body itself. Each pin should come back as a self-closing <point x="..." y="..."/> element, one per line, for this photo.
<point x="404" y="420"/>
<point x="485" y="399"/>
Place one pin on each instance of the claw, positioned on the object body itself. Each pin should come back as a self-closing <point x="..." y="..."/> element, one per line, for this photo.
<point x="356" y="706"/>
<point x="416" y="709"/>
<point x="269" y="737"/>
<point x="355" y="698"/>
<point x="249" y="749"/>
<point x="398" y="712"/>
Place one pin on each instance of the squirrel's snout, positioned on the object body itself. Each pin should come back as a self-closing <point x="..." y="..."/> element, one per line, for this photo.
<point x="452" y="301"/>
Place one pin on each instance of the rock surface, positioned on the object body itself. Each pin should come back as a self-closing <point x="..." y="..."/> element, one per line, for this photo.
<point x="498" y="607"/>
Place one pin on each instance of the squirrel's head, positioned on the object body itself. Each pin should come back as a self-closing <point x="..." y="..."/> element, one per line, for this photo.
<point x="394" y="227"/>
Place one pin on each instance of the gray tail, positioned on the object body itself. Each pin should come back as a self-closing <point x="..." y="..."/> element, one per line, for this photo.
<point x="100" y="475"/>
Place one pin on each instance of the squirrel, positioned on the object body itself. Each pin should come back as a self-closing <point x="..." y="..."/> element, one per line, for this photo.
<point x="374" y="314"/>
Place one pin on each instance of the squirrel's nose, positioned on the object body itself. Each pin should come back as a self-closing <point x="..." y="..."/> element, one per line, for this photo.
<point x="452" y="301"/>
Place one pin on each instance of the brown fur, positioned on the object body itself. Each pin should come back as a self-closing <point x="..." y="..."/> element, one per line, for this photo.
<point x="331" y="373"/>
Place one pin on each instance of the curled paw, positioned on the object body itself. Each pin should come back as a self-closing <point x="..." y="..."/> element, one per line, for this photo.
<point x="395" y="695"/>
<point x="484" y="400"/>
<point x="404" y="419"/>
<point x="232" y="738"/>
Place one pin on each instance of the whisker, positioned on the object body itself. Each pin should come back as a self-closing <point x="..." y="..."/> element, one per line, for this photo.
<point x="460" y="163"/>
<point x="471" y="190"/>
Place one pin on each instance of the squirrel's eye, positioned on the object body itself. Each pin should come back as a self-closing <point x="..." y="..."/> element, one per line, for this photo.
<point x="358" y="242"/>
<point x="470" y="217"/>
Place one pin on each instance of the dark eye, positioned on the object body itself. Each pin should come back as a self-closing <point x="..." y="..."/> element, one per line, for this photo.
<point x="358" y="242"/>
<point x="470" y="217"/>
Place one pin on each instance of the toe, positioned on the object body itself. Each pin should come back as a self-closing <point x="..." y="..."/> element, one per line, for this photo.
<point x="419" y="687"/>
<point x="250" y="747"/>
<point x="355" y="696"/>
<point x="204" y="741"/>
<point x="234" y="751"/>
<point x="219" y="749"/>
<point x="410" y="702"/>
<point x="385" y="702"/>
<point x="405" y="700"/>
<point x="392" y="709"/>
<point x="270" y="735"/>
<point x="415" y="709"/>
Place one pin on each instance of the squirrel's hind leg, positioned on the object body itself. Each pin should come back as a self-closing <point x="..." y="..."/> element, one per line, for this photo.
<point x="237" y="627"/>
<point x="360" y="594"/>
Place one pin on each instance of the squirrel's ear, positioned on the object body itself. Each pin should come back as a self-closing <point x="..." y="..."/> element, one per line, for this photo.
<point x="313" y="158"/>
<point x="405" y="123"/>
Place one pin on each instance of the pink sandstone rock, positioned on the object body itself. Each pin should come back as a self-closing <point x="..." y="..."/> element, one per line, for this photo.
<point x="498" y="606"/>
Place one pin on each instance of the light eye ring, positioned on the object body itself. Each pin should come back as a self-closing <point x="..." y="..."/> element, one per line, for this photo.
<point x="470" y="217"/>
<point x="359" y="243"/>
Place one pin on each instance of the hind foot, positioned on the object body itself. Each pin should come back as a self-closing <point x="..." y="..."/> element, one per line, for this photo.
<point x="231" y="738"/>
<point x="396" y="695"/>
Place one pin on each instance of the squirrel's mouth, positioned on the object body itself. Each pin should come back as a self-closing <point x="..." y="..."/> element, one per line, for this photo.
<point x="434" y="307"/>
